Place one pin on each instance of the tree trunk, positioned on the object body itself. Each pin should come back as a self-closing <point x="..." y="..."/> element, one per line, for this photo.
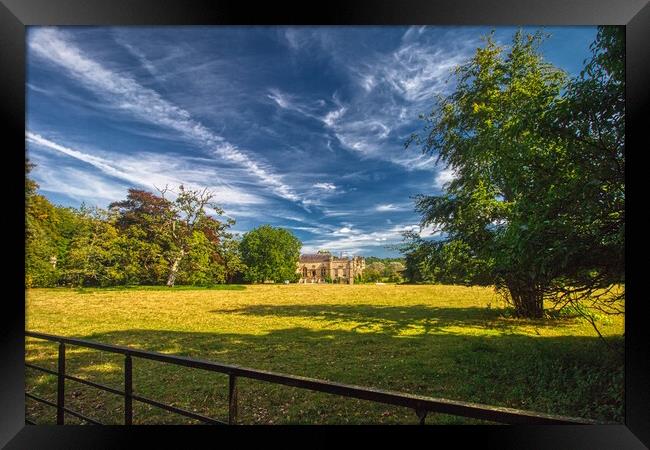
<point x="173" y="270"/>
<point x="527" y="300"/>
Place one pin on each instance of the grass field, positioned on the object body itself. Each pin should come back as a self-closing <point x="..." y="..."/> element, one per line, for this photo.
<point x="441" y="341"/>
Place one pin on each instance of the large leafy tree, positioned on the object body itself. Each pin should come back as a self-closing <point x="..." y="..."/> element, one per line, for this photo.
<point x="49" y="230"/>
<point x="270" y="254"/>
<point x="93" y="257"/>
<point x="142" y="218"/>
<point x="144" y="239"/>
<point x="442" y="261"/>
<point x="181" y="230"/>
<point x="526" y="203"/>
<point x="41" y="237"/>
<point x="229" y="256"/>
<point x="590" y="122"/>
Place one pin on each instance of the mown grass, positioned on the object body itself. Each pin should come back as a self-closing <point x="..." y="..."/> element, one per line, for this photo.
<point x="442" y="341"/>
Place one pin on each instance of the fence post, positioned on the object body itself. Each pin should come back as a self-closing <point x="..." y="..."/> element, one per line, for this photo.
<point x="60" y="393"/>
<point x="232" y="399"/>
<point x="128" y="390"/>
<point x="422" y="414"/>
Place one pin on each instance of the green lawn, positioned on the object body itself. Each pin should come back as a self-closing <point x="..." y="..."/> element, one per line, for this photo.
<point x="441" y="341"/>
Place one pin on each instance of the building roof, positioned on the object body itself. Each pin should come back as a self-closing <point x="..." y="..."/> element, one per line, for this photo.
<point x="321" y="257"/>
<point x="314" y="258"/>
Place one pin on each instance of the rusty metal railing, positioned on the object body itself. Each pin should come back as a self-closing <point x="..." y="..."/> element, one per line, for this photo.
<point x="420" y="404"/>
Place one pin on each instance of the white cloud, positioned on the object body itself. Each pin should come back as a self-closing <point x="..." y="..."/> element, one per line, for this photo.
<point x="138" y="54"/>
<point x="280" y="99"/>
<point x="368" y="82"/>
<point x="429" y="230"/>
<point x="382" y="208"/>
<point x="65" y="180"/>
<point x="394" y="89"/>
<point x="146" y="104"/>
<point x="335" y="213"/>
<point x="443" y="177"/>
<point x="144" y="169"/>
<point x="356" y="241"/>
<point x="333" y="116"/>
<point x="410" y="33"/>
<point x="417" y="71"/>
<point x="325" y="186"/>
<point x="313" y="230"/>
<point x="391" y="207"/>
<point x="295" y="104"/>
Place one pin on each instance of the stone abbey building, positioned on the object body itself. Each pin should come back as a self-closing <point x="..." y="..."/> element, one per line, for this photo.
<point x="317" y="268"/>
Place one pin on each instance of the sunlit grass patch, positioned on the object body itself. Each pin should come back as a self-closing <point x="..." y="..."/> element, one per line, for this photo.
<point x="442" y="341"/>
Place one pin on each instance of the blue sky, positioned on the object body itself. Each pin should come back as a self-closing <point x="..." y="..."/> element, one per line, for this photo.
<point x="298" y="127"/>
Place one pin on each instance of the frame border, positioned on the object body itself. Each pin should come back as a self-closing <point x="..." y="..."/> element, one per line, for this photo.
<point x="15" y="15"/>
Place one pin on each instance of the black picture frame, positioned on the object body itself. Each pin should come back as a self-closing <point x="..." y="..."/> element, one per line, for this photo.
<point x="15" y="15"/>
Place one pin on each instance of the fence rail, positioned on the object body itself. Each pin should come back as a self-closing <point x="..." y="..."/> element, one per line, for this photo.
<point x="420" y="404"/>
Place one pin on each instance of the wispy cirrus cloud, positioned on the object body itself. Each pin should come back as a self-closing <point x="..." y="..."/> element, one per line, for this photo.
<point x="298" y="127"/>
<point x="127" y="94"/>
<point x="293" y="103"/>
<point x="325" y="186"/>
<point x="333" y="116"/>
<point x="391" y="207"/>
<point x="281" y="100"/>
<point x="395" y="87"/>
<point x="95" y="190"/>
<point x="145" y="169"/>
<point x="139" y="55"/>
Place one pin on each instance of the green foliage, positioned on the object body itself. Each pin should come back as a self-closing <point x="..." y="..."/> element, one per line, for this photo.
<point x="447" y="262"/>
<point x="143" y="259"/>
<point x="196" y="248"/>
<point x="373" y="271"/>
<point x="590" y="121"/>
<point x="93" y="258"/>
<point x="270" y="254"/>
<point x="389" y="270"/>
<point x="229" y="255"/>
<point x="196" y="268"/>
<point x="142" y="240"/>
<point x="536" y="207"/>
<point x="393" y="272"/>
<point x="44" y="244"/>
<point x="372" y="259"/>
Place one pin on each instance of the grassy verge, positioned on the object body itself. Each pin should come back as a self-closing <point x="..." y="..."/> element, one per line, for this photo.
<point x="442" y="341"/>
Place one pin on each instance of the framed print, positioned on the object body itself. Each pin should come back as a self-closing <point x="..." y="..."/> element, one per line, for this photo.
<point x="355" y="218"/>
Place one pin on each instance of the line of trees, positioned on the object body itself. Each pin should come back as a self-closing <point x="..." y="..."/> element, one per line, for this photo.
<point x="537" y="207"/>
<point x="149" y="239"/>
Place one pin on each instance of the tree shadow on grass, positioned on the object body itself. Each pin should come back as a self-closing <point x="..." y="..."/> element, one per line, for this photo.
<point x="569" y="375"/>
<point x="398" y="319"/>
